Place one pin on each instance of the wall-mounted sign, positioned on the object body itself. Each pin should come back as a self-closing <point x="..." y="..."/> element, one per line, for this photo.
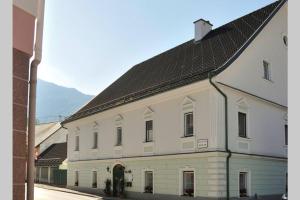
<point x="202" y="143"/>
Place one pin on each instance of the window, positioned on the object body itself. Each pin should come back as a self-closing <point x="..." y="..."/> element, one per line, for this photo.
<point x="242" y="125"/>
<point x="148" y="182"/>
<point x="76" y="178"/>
<point x="285" y="40"/>
<point x="149" y="131"/>
<point x="286" y="134"/>
<point x="94" y="179"/>
<point x="188" y="124"/>
<point x="266" y="70"/>
<point x="188" y="183"/>
<point x="77" y="143"/>
<point x="95" y="144"/>
<point x="119" y="136"/>
<point x="243" y="185"/>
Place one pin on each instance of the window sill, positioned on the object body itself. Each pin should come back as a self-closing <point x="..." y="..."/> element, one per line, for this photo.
<point x="244" y="138"/>
<point x="149" y="142"/>
<point x="76" y="151"/>
<point x="268" y="80"/>
<point x="187" y="136"/>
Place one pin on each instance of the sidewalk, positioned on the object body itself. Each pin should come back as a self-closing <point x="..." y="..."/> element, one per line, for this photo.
<point x="61" y="189"/>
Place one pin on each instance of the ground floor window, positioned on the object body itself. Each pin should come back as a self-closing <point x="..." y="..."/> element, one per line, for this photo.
<point x="76" y="178"/>
<point x="243" y="185"/>
<point x="188" y="183"/>
<point x="148" y="182"/>
<point x="94" y="181"/>
<point x="44" y="175"/>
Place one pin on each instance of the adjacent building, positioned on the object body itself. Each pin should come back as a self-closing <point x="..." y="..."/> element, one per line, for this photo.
<point x="205" y="120"/>
<point x="51" y="153"/>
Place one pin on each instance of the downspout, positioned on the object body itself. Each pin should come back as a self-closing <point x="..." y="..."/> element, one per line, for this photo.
<point x="210" y="75"/>
<point x="32" y="98"/>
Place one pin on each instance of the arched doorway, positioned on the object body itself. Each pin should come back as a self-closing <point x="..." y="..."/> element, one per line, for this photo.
<point x="118" y="180"/>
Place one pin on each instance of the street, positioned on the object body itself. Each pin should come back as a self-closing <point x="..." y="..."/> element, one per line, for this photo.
<point x="45" y="194"/>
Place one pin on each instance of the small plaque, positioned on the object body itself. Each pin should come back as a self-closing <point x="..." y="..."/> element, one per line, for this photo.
<point x="202" y="143"/>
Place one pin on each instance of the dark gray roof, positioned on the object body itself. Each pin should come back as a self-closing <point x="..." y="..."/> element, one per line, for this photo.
<point x="53" y="156"/>
<point x="182" y="65"/>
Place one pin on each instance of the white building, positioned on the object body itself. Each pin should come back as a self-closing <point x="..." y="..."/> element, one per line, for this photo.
<point x="163" y="126"/>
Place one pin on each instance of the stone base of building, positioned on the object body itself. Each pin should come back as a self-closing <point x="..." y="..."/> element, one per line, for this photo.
<point x="147" y="196"/>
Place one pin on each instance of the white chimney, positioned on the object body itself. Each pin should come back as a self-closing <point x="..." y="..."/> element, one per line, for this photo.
<point x="202" y="27"/>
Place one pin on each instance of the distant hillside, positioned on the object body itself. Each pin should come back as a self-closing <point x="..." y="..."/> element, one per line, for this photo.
<point x="54" y="101"/>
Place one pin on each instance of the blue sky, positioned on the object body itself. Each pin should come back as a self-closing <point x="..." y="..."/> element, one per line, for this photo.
<point x="88" y="44"/>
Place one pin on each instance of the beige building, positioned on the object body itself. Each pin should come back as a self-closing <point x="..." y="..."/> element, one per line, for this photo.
<point x="206" y="119"/>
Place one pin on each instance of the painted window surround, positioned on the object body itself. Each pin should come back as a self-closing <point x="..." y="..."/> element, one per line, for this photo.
<point x="181" y="170"/>
<point x="248" y="181"/>
<point x="143" y="179"/>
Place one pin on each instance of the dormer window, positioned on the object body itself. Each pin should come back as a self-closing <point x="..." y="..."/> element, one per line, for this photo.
<point x="266" y="67"/>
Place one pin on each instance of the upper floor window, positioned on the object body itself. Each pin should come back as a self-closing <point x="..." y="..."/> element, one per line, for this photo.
<point x="95" y="140"/>
<point x="242" y="120"/>
<point x="188" y="124"/>
<point x="119" y="136"/>
<point x="286" y="134"/>
<point x="267" y="74"/>
<point x="77" y="143"/>
<point x="149" y="131"/>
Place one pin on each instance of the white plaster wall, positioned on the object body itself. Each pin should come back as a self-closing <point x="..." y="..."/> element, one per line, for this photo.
<point x="246" y="72"/>
<point x="265" y="125"/>
<point x="167" y="124"/>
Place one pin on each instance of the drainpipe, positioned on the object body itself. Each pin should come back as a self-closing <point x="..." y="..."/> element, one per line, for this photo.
<point x="210" y="75"/>
<point x="32" y="98"/>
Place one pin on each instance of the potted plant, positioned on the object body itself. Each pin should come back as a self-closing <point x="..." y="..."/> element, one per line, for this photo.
<point x="148" y="189"/>
<point x="107" y="189"/>
<point x="189" y="192"/>
<point x="94" y="185"/>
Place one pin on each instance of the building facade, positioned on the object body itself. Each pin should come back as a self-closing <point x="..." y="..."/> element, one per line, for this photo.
<point x="169" y="139"/>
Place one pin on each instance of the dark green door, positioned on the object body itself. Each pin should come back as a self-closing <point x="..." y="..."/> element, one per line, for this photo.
<point x="118" y="180"/>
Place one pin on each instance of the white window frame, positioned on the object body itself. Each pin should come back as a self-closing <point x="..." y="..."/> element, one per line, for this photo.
<point x="146" y="130"/>
<point x="143" y="181"/>
<point x="248" y="177"/>
<point x="187" y="106"/>
<point x="185" y="125"/>
<point x="117" y="136"/>
<point x="181" y="180"/>
<point x="243" y="107"/>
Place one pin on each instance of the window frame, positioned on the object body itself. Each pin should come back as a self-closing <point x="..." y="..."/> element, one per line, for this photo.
<point x="266" y="70"/>
<point x="94" y="182"/>
<point x="245" y="135"/>
<point x="247" y="183"/>
<point x="119" y="139"/>
<point x="77" y="142"/>
<point x="286" y="134"/>
<point x="183" y="182"/>
<point x="185" y="124"/>
<point x="145" y="180"/>
<point x="76" y="178"/>
<point x="147" y="137"/>
<point x="95" y="140"/>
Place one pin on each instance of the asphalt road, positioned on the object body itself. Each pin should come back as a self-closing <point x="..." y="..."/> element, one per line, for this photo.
<point x="44" y="194"/>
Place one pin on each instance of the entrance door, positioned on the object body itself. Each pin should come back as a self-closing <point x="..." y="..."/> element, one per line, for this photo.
<point x="118" y="180"/>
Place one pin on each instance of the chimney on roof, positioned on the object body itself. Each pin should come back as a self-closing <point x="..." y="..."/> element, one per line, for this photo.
<point x="202" y="27"/>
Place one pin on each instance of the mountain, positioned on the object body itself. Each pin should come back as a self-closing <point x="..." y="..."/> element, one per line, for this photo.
<point x="54" y="102"/>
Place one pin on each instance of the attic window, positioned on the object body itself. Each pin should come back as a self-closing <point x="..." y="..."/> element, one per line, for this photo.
<point x="266" y="67"/>
<point x="285" y="40"/>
